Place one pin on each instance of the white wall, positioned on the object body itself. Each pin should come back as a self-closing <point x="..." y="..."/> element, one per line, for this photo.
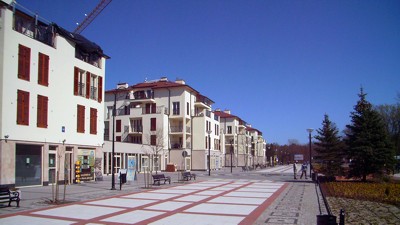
<point x="62" y="104"/>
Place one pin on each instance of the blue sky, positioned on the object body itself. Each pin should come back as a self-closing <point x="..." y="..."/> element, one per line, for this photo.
<point x="279" y="65"/>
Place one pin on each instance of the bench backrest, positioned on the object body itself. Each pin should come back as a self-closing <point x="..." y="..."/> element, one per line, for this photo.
<point x="158" y="176"/>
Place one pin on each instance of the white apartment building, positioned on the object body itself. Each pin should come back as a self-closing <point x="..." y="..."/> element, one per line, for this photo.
<point x="158" y="125"/>
<point x="246" y="144"/>
<point x="51" y="108"/>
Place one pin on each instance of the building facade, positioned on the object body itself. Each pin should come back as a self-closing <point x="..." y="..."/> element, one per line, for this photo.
<point x="51" y="108"/>
<point x="160" y="123"/>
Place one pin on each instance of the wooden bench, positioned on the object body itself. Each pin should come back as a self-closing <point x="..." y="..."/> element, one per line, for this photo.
<point x="157" y="178"/>
<point x="188" y="176"/>
<point x="8" y="196"/>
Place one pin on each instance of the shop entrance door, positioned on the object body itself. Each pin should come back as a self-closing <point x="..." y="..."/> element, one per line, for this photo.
<point x="68" y="167"/>
<point x="28" y="165"/>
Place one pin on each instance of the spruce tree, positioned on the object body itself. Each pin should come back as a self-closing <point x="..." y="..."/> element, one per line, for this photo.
<point x="329" y="147"/>
<point x="369" y="148"/>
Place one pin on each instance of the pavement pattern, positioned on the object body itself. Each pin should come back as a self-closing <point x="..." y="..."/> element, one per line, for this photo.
<point x="268" y="196"/>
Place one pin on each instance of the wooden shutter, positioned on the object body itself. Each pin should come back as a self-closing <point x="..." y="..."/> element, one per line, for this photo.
<point x="76" y="80"/>
<point x="100" y="90"/>
<point x="43" y="73"/>
<point x="81" y="119"/>
<point x="119" y="127"/>
<point x="87" y="84"/>
<point x="42" y="110"/>
<point x="153" y="108"/>
<point x="153" y="125"/>
<point x="23" y="108"/>
<point x="93" y="121"/>
<point x="24" y="61"/>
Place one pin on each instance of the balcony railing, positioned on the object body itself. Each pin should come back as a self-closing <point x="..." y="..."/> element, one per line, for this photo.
<point x="203" y="99"/>
<point x="157" y="110"/>
<point x="137" y="129"/>
<point x="176" y="129"/>
<point x="143" y="95"/>
<point x="176" y="145"/>
<point x="81" y="89"/>
<point x="93" y="93"/>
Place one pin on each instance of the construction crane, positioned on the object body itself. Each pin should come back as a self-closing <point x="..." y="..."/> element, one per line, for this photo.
<point x="92" y="15"/>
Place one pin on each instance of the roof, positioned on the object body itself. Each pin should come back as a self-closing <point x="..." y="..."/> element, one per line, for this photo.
<point x="253" y="129"/>
<point x="222" y="114"/>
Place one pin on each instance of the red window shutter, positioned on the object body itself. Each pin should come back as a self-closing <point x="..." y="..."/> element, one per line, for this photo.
<point x="100" y="90"/>
<point x="147" y="108"/>
<point x="153" y="140"/>
<point x="119" y="127"/>
<point x="24" y="61"/>
<point x="23" y="108"/>
<point x="93" y="121"/>
<point x="87" y="84"/>
<point x="118" y="138"/>
<point x="153" y="108"/>
<point x="43" y="73"/>
<point x="42" y="111"/>
<point x="81" y="119"/>
<point x="76" y="80"/>
<point x="153" y="126"/>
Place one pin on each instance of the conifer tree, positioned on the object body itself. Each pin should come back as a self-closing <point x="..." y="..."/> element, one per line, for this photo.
<point x="329" y="147"/>
<point x="369" y="148"/>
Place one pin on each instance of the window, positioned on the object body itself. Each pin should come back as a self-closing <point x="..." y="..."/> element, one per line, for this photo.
<point x="229" y="129"/>
<point x="118" y="126"/>
<point x="153" y="122"/>
<point x="43" y="73"/>
<point x="151" y="108"/>
<point x="175" y="108"/>
<point x="137" y="125"/>
<point x="24" y="62"/>
<point x="23" y="108"/>
<point x="93" y="87"/>
<point x="187" y="109"/>
<point x="118" y="138"/>
<point x="42" y="109"/>
<point x="93" y="121"/>
<point x="81" y="119"/>
<point x="137" y="139"/>
<point x="153" y="140"/>
<point x="79" y="85"/>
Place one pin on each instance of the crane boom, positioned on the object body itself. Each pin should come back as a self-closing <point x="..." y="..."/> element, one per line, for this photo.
<point x="92" y="15"/>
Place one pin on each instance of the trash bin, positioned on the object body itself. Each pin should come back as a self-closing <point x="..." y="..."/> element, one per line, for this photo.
<point x="326" y="220"/>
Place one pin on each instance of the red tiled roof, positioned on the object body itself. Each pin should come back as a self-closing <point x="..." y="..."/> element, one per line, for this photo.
<point x="161" y="84"/>
<point x="253" y="129"/>
<point x="222" y="114"/>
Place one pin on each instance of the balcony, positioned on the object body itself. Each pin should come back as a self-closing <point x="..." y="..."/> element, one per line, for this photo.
<point x="143" y="97"/>
<point x="136" y="130"/>
<point x="155" y="110"/>
<point x="204" y="102"/>
<point x="26" y="25"/>
<point x="176" y="129"/>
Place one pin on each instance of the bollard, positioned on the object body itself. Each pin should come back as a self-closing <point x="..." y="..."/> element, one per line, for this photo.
<point x="326" y="220"/>
<point x="342" y="216"/>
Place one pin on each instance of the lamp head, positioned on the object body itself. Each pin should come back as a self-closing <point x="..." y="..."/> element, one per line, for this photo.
<point x="310" y="130"/>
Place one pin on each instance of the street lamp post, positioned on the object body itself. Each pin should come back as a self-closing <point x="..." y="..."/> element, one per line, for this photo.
<point x="113" y="144"/>
<point x="231" y="154"/>
<point x="310" y="130"/>
<point x="209" y="152"/>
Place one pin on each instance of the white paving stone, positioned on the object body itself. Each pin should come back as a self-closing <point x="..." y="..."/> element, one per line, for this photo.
<point x="173" y="191"/>
<point x="211" y="193"/>
<point x="192" y="198"/>
<point x="237" y="200"/>
<point x="133" y="217"/>
<point x="222" y="209"/>
<point x="248" y="194"/>
<point x="13" y="220"/>
<point x="78" y="211"/>
<point x="122" y="202"/>
<point x="148" y="195"/>
<point x="197" y="219"/>
<point x="224" y="188"/>
<point x="168" y="206"/>
<point x="265" y="190"/>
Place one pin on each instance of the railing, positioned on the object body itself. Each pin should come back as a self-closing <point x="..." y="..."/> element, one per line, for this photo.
<point x="81" y="89"/>
<point x="93" y="93"/>
<point x="158" y="110"/>
<point x="31" y="27"/>
<point x="176" y="145"/>
<point x="137" y="129"/>
<point x="176" y="129"/>
<point x="143" y="95"/>
<point x="203" y="99"/>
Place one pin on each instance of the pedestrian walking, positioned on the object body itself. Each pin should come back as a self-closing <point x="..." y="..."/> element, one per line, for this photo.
<point x="303" y="171"/>
<point x="295" y="171"/>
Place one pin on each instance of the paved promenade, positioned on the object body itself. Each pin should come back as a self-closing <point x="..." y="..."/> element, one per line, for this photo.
<point x="268" y="196"/>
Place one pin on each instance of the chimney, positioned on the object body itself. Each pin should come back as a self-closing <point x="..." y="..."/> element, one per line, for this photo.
<point x="179" y="81"/>
<point x="218" y="110"/>
<point x="227" y="111"/>
<point x="122" y="85"/>
<point x="163" y="79"/>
